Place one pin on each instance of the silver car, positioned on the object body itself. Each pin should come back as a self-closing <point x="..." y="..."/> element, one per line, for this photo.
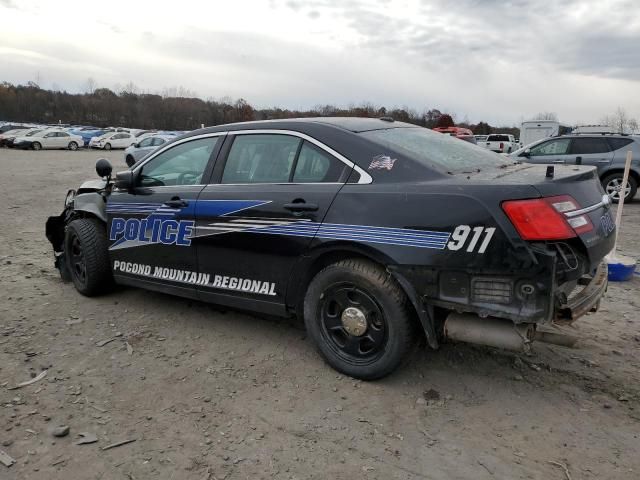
<point x="605" y="152"/>
<point x="145" y="146"/>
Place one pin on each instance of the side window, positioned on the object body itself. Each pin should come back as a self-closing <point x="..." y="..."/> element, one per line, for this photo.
<point x="315" y="165"/>
<point x="589" y="145"/>
<point x="260" y="158"/>
<point x="553" y="147"/>
<point x="147" y="142"/>
<point x="183" y="164"/>
<point x="157" y="141"/>
<point x="617" y="143"/>
<point x="63" y="134"/>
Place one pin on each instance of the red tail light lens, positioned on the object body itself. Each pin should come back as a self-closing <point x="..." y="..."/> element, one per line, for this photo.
<point x="545" y="219"/>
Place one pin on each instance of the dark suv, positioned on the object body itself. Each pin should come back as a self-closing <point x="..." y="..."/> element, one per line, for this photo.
<point x="606" y="152"/>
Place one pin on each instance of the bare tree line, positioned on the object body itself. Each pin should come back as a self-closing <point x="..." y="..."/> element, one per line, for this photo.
<point x="178" y="108"/>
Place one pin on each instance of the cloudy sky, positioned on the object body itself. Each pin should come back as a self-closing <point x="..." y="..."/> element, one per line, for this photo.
<point x="500" y="61"/>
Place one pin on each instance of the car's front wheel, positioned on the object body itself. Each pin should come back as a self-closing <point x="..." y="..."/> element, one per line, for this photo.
<point x="73" y="146"/>
<point x="107" y="146"/>
<point x="612" y="184"/>
<point x="36" y="146"/>
<point x="87" y="256"/>
<point x="358" y="317"/>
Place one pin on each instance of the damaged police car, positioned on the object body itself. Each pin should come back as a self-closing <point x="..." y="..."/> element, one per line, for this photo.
<point x="376" y="232"/>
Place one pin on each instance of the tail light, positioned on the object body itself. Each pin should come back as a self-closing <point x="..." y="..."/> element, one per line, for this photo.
<point x="501" y="146"/>
<point x="546" y="218"/>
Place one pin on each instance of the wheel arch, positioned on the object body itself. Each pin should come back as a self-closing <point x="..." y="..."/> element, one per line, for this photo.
<point x="323" y="256"/>
<point x="91" y="204"/>
<point x="633" y="173"/>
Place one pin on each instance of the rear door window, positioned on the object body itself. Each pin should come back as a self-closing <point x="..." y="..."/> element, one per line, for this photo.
<point x="589" y="145"/>
<point x="261" y="158"/>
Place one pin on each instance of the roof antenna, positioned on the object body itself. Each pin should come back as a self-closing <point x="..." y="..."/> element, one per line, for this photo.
<point x="550" y="171"/>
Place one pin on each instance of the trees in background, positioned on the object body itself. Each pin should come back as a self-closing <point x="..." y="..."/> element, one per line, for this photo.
<point x="620" y="121"/>
<point x="177" y="108"/>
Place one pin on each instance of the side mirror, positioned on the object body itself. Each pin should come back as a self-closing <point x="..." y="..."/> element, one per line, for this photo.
<point x="137" y="145"/>
<point x="103" y="168"/>
<point x="129" y="161"/>
<point x="526" y="153"/>
<point x="125" y="180"/>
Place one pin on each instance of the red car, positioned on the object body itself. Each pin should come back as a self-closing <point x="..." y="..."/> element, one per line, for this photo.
<point x="458" y="132"/>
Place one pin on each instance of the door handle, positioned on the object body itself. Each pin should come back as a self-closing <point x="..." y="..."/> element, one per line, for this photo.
<point x="558" y="161"/>
<point x="301" y="207"/>
<point x="176" y="202"/>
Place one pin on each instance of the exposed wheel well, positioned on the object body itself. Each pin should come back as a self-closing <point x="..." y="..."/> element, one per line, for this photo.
<point x="632" y="173"/>
<point x="327" y="258"/>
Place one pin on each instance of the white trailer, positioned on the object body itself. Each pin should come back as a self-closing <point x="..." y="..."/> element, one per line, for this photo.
<point x="535" y="130"/>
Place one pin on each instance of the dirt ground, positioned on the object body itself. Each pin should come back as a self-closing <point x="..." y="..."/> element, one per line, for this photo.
<point x="208" y="393"/>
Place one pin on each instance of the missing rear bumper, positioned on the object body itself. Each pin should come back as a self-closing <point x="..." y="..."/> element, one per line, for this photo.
<point x="585" y="300"/>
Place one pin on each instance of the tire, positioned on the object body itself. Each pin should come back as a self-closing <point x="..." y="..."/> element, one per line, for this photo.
<point x="372" y="341"/>
<point x="612" y="185"/>
<point x="73" y="146"/>
<point x="107" y="146"/>
<point x="86" y="252"/>
<point x="36" y="146"/>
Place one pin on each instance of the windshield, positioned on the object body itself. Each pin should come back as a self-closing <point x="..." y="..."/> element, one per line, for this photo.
<point x="436" y="150"/>
<point x="33" y="132"/>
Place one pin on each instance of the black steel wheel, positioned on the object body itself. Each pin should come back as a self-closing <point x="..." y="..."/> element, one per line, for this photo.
<point x="352" y="323"/>
<point x="358" y="318"/>
<point x="87" y="256"/>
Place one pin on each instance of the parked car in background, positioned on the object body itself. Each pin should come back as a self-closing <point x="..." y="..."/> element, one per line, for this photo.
<point x="113" y="140"/>
<point x="145" y="146"/>
<point x="606" y="152"/>
<point x="9" y="126"/>
<point x="458" y="132"/>
<point x="480" y="138"/>
<point x="49" y="139"/>
<point x="500" y="143"/>
<point x="7" y="138"/>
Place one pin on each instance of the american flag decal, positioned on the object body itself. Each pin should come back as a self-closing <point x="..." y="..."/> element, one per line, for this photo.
<point x="382" y="162"/>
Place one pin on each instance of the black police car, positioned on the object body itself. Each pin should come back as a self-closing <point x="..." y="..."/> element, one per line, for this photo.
<point x="378" y="233"/>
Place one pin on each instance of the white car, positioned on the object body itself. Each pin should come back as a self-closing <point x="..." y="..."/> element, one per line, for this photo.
<point x="112" y="140"/>
<point x="49" y="139"/>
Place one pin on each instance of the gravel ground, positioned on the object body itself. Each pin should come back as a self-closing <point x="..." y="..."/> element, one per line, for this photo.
<point x="208" y="393"/>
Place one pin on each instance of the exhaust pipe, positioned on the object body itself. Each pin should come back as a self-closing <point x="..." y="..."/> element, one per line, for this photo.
<point x="491" y="332"/>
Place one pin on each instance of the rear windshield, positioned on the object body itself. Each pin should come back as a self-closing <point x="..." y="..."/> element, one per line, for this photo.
<point x="432" y="149"/>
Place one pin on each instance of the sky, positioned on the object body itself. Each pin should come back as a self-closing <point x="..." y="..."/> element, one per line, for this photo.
<point x="496" y="61"/>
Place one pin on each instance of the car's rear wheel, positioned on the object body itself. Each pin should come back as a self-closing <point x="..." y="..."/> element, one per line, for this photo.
<point x="73" y="146"/>
<point x="107" y="146"/>
<point x="612" y="184"/>
<point x="86" y="252"/>
<point x="358" y="317"/>
<point x="36" y="146"/>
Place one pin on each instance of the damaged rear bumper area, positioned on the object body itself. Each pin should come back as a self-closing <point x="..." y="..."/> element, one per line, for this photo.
<point x="584" y="298"/>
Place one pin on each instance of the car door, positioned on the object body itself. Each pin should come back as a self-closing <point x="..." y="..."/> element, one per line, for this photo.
<point x="594" y="151"/>
<point x="62" y="139"/>
<point x="550" y="151"/>
<point x="49" y="140"/>
<point x="151" y="225"/>
<point x="269" y="194"/>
